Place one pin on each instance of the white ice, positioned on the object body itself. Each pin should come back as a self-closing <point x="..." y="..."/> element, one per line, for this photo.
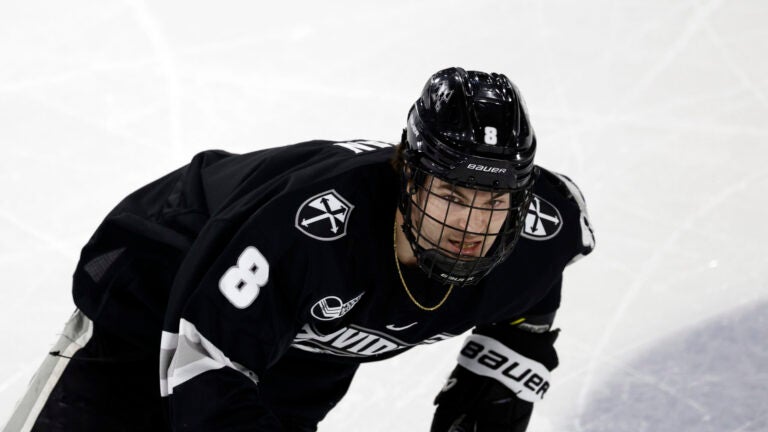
<point x="658" y="109"/>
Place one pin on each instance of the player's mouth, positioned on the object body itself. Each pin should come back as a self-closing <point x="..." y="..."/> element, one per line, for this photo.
<point x="467" y="247"/>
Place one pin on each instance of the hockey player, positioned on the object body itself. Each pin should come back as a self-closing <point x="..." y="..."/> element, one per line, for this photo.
<point x="261" y="281"/>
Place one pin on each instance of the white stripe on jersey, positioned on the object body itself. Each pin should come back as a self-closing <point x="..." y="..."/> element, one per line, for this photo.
<point x="77" y="332"/>
<point x="188" y="354"/>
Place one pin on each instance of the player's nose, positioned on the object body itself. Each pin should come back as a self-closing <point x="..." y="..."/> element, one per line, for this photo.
<point x="473" y="220"/>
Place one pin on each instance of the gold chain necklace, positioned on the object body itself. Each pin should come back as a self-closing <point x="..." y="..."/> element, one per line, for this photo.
<point x="413" y="299"/>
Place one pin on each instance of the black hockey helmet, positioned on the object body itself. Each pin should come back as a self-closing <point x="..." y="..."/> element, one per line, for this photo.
<point x="470" y="130"/>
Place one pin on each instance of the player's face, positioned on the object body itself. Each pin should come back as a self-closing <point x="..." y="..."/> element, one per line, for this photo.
<point x="461" y="222"/>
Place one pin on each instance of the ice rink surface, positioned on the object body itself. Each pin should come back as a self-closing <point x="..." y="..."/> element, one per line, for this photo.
<point x="657" y="109"/>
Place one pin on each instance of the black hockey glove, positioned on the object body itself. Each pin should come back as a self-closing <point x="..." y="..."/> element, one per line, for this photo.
<point x="493" y="387"/>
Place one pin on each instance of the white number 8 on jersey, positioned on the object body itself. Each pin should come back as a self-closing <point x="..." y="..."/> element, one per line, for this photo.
<point x="241" y="283"/>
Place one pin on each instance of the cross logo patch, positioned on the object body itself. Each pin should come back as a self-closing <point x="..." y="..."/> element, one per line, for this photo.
<point x="324" y="216"/>
<point x="543" y="220"/>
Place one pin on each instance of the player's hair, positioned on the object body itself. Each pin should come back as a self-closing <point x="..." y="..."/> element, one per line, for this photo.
<point x="398" y="159"/>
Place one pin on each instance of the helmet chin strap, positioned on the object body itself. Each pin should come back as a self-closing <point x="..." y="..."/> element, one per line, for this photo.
<point x="460" y="271"/>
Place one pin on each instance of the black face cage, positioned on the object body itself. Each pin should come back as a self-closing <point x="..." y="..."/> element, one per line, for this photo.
<point x="439" y="246"/>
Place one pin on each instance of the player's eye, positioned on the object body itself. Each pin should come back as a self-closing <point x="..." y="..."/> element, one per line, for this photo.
<point x="453" y="199"/>
<point x="497" y="203"/>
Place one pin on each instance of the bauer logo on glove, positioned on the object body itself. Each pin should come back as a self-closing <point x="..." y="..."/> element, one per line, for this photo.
<point x="485" y="356"/>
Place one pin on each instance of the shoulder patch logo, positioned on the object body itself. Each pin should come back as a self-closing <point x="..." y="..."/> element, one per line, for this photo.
<point x="324" y="216"/>
<point x="543" y="220"/>
<point x="331" y="307"/>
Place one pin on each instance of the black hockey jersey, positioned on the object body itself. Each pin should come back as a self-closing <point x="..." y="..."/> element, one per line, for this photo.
<point x="236" y="259"/>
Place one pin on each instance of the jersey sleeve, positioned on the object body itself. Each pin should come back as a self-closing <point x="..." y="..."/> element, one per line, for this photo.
<point x="234" y="310"/>
<point x="521" y="346"/>
<point x="164" y="270"/>
<point x="572" y="191"/>
<point x="540" y="317"/>
<point x="128" y="265"/>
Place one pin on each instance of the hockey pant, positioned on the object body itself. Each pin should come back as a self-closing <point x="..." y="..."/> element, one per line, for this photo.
<point x="95" y="381"/>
